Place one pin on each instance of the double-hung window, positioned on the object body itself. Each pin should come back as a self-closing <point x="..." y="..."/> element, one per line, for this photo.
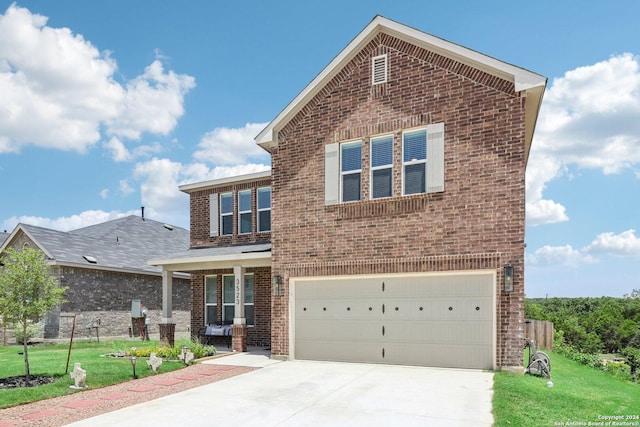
<point x="226" y="214"/>
<point x="382" y="166"/>
<point x="244" y="212"/>
<point x="210" y="300"/>
<point x="414" y="161"/>
<point x="264" y="209"/>
<point x="228" y="299"/>
<point x="350" y="170"/>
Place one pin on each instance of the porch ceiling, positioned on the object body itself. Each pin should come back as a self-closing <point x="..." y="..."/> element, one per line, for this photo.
<point x="257" y="255"/>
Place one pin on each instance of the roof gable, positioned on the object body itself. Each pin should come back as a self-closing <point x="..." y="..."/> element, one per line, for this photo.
<point x="523" y="80"/>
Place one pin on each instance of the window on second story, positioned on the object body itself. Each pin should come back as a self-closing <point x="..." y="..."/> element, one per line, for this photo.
<point x="382" y="167"/>
<point x="226" y="214"/>
<point x="264" y="209"/>
<point x="244" y="212"/>
<point x="350" y="170"/>
<point x="414" y="161"/>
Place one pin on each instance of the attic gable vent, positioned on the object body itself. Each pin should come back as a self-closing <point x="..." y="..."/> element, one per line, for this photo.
<point x="90" y="259"/>
<point x="379" y="69"/>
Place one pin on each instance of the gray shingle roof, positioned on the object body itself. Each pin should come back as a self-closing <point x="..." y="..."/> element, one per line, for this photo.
<point x="3" y="237"/>
<point x="124" y="243"/>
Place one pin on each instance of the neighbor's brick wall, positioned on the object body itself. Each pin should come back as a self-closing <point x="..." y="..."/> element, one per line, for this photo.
<point x="258" y="335"/>
<point x="107" y="295"/>
<point x="200" y="216"/>
<point x="480" y="212"/>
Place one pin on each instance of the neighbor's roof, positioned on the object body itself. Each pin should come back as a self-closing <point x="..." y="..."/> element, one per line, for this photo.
<point x="531" y="83"/>
<point x="122" y="244"/>
<point x="251" y="255"/>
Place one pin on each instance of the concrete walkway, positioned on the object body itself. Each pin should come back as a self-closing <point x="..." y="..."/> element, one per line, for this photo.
<point x="305" y="393"/>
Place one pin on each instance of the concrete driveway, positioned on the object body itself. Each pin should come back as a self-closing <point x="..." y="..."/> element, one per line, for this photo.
<point x="304" y="393"/>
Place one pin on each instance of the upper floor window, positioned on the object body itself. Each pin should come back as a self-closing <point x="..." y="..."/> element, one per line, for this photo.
<point x="226" y="214"/>
<point x="422" y="161"/>
<point x="264" y="209"/>
<point x="414" y="161"/>
<point x="382" y="166"/>
<point x="350" y="170"/>
<point x="244" y="212"/>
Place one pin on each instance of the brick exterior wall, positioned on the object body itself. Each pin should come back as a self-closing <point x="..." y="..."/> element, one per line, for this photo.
<point x="200" y="216"/>
<point x="257" y="335"/>
<point x="476" y="223"/>
<point x="106" y="295"/>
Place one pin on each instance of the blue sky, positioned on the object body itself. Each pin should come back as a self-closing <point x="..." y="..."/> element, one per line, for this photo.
<point x="107" y="106"/>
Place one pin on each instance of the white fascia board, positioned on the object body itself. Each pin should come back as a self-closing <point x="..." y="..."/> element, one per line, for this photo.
<point x="522" y="79"/>
<point x="187" y="188"/>
<point x="251" y="259"/>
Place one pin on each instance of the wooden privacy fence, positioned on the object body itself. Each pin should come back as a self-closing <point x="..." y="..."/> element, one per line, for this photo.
<point x="539" y="331"/>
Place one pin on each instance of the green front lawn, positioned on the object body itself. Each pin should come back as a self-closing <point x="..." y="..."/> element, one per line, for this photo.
<point x="51" y="360"/>
<point x="580" y="394"/>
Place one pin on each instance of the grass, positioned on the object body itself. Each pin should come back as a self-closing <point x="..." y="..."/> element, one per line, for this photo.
<point x="580" y="394"/>
<point x="51" y="360"/>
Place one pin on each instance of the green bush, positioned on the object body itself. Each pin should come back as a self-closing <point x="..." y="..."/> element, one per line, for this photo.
<point x="32" y="331"/>
<point x="172" y="353"/>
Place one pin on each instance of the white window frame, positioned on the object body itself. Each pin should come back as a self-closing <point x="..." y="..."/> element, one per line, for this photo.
<point x="416" y="161"/>
<point x="232" y="304"/>
<point x="377" y="168"/>
<point x="244" y="212"/>
<point x="259" y="210"/>
<point x="226" y="214"/>
<point x="376" y="62"/>
<point x="214" y="304"/>
<point x="350" y="172"/>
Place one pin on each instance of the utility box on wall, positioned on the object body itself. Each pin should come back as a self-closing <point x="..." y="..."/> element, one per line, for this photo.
<point x="136" y="308"/>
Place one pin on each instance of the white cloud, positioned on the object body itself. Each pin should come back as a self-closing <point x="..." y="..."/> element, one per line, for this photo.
<point x="59" y="90"/>
<point x="559" y="255"/>
<point x="104" y="193"/>
<point x="72" y="222"/>
<point x="588" y="120"/>
<point x="231" y="146"/>
<point x="119" y="153"/>
<point x="153" y="102"/>
<point x="125" y="188"/>
<point x="623" y="244"/>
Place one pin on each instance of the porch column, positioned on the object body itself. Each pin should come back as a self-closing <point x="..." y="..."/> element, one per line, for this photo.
<point x="167" y="327"/>
<point x="239" y="328"/>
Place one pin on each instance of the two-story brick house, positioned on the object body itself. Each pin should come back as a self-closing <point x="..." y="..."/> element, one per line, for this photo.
<point x="397" y="210"/>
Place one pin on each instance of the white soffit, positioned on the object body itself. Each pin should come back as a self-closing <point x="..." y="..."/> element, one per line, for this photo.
<point x="522" y="79"/>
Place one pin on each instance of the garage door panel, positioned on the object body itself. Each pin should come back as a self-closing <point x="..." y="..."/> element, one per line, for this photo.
<point x="445" y="356"/>
<point x="439" y="320"/>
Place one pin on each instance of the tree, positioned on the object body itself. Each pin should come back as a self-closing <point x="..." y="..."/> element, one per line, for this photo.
<point x="27" y="291"/>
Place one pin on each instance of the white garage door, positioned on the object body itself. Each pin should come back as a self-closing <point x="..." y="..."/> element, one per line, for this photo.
<point x="435" y="320"/>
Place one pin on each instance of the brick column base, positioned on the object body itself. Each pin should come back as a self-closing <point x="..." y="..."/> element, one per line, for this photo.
<point x="167" y="334"/>
<point x="239" y="338"/>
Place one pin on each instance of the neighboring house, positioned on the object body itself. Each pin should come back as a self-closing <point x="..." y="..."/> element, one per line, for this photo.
<point x="397" y="212"/>
<point x="3" y="236"/>
<point x="105" y="267"/>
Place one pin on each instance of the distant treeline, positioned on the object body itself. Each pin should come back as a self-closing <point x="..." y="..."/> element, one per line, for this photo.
<point x="591" y="325"/>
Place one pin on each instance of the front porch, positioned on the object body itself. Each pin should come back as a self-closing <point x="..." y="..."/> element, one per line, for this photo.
<point x="231" y="286"/>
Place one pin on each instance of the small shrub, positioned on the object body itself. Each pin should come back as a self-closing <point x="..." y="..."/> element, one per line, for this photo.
<point x="32" y="331"/>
